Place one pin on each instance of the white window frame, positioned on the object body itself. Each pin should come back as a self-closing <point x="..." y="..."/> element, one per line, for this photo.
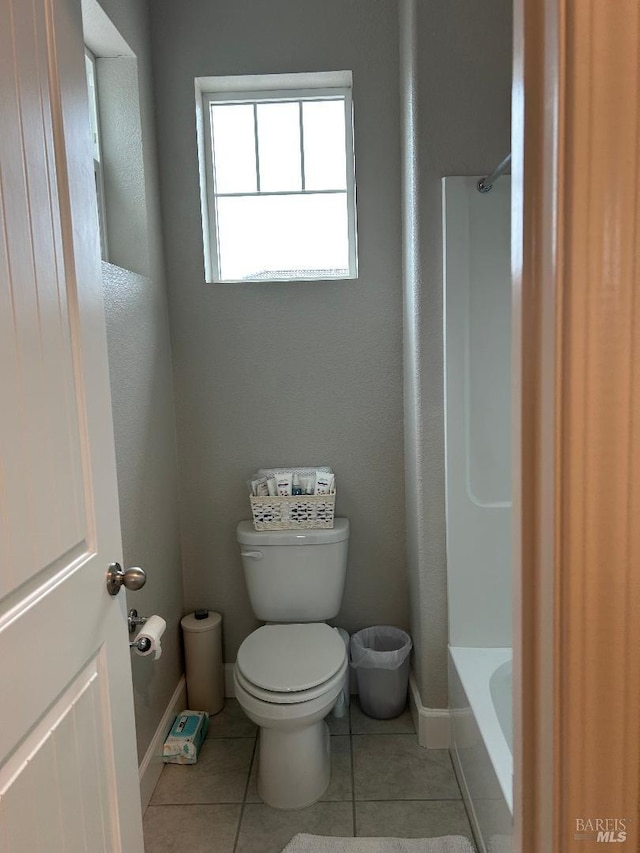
<point x="221" y="91"/>
<point x="98" y="171"/>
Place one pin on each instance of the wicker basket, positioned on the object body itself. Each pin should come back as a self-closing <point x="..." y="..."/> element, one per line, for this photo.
<point x="303" y="512"/>
<point x="306" y="512"/>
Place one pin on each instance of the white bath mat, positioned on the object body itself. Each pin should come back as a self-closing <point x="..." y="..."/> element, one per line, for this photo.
<point x="325" y="844"/>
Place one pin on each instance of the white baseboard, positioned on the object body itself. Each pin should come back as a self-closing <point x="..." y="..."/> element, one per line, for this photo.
<point x="152" y="764"/>
<point x="433" y="725"/>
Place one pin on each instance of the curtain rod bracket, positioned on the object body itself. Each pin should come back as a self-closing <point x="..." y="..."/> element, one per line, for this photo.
<point x="485" y="184"/>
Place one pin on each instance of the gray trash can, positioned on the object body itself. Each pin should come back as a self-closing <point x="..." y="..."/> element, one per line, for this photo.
<point x="380" y="657"/>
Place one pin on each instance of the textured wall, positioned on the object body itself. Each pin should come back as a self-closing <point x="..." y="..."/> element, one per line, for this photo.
<point x="142" y="394"/>
<point x="123" y="163"/>
<point x="413" y="415"/>
<point x="456" y="95"/>
<point x="270" y="374"/>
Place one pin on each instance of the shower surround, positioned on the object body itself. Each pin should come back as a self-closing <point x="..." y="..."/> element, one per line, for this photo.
<point x="477" y="280"/>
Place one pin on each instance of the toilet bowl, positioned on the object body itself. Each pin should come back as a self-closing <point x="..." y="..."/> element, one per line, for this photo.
<point x="290" y="672"/>
<point x="287" y="678"/>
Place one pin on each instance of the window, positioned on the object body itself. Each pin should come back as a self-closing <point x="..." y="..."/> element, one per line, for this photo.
<point x="118" y="160"/>
<point x="278" y="177"/>
<point x="92" y="89"/>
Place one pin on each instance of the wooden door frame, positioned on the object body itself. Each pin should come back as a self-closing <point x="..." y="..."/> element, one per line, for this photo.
<point x="576" y="268"/>
<point x="534" y="269"/>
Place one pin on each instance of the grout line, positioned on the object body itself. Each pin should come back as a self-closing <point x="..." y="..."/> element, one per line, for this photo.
<point x="417" y="800"/>
<point x="236" y="803"/>
<point x="384" y="734"/>
<point x="464" y="804"/>
<point x="195" y="803"/>
<point x="353" y="788"/>
<point x="228" y="737"/>
<point x="353" y="776"/>
<point x="244" y="797"/>
<point x="453" y="767"/>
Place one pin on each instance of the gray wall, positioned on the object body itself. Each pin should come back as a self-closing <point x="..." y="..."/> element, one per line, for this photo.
<point x="142" y="392"/>
<point x="275" y="374"/>
<point x="456" y="85"/>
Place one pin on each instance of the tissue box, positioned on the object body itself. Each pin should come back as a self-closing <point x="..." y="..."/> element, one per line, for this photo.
<point x="185" y="738"/>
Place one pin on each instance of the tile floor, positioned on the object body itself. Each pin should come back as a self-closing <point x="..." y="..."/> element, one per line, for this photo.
<point x="382" y="783"/>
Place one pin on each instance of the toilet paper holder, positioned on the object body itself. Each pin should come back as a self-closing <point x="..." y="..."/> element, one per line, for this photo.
<point x="134" y="621"/>
<point x="142" y="645"/>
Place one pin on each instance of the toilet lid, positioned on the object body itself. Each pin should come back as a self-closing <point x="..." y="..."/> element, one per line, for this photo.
<point x="286" y="658"/>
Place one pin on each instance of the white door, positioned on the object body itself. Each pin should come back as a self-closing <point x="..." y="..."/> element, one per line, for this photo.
<point x="68" y="768"/>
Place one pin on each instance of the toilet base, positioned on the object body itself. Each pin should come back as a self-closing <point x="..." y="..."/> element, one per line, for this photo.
<point x="294" y="766"/>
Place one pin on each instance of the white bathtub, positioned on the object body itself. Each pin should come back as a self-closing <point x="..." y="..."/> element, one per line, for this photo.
<point x="480" y="696"/>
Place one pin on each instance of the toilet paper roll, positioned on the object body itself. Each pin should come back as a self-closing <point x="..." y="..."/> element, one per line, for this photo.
<point x="152" y="630"/>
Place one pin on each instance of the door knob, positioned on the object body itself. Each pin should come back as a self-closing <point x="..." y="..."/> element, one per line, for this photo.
<point x="132" y="579"/>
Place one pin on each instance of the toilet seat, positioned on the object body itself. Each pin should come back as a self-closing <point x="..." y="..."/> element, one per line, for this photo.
<point x="290" y="663"/>
<point x="293" y="698"/>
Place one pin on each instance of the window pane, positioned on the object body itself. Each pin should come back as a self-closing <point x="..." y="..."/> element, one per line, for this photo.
<point x="324" y="145"/>
<point x="234" y="148"/>
<point x="300" y="236"/>
<point x="93" y="105"/>
<point x="279" y="147"/>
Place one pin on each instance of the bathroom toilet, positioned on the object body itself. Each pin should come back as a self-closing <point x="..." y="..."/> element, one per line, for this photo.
<point x="290" y="672"/>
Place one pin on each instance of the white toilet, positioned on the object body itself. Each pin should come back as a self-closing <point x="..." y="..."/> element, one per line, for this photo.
<point x="290" y="672"/>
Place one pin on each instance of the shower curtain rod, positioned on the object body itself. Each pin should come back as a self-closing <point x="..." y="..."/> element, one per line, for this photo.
<point x="485" y="184"/>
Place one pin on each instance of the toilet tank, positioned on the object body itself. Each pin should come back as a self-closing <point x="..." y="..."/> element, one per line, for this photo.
<point x="294" y="575"/>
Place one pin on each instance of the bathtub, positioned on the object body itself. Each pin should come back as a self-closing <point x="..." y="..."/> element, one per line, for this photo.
<point x="482" y="739"/>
